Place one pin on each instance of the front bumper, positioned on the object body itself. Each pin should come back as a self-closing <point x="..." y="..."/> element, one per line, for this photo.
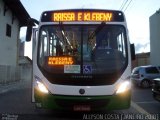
<point x="96" y="103"/>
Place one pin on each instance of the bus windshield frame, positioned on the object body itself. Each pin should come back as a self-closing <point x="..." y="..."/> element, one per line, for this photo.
<point x="79" y="66"/>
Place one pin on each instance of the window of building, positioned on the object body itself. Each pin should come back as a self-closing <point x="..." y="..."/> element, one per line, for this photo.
<point x="8" y="30"/>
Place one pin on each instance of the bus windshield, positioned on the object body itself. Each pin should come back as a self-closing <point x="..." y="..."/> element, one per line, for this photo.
<point x="79" y="49"/>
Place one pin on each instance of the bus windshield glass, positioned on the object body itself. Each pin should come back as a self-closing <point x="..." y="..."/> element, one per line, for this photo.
<point x="79" y="49"/>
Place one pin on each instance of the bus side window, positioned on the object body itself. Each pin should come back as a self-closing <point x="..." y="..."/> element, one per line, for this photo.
<point x="121" y="45"/>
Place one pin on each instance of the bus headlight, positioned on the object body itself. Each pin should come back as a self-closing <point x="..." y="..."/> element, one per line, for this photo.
<point x="124" y="86"/>
<point x="41" y="87"/>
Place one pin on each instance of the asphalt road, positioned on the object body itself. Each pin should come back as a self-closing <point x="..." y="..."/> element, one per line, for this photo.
<point x="144" y="98"/>
<point x="15" y="103"/>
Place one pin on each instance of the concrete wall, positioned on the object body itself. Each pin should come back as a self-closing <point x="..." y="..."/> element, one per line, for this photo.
<point x="155" y="38"/>
<point x="11" y="74"/>
<point x="8" y="45"/>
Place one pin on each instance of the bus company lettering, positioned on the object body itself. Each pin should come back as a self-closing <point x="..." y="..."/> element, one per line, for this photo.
<point x="82" y="16"/>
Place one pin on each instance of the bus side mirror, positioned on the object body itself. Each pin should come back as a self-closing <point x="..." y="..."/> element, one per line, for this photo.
<point x="30" y="24"/>
<point x="132" y="47"/>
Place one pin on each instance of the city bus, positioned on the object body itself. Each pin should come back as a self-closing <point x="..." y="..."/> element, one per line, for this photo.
<point x="81" y="60"/>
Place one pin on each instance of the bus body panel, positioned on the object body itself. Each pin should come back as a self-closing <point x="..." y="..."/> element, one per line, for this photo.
<point x="89" y="90"/>
<point x="34" y="51"/>
<point x="66" y="93"/>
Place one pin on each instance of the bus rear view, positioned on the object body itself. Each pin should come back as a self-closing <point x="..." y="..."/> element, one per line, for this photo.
<point x="81" y="60"/>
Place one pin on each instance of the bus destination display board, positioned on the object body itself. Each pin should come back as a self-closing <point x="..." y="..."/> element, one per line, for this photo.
<point x="82" y="15"/>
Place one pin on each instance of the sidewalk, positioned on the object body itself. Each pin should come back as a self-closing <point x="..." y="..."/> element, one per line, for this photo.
<point x="13" y="86"/>
<point x="24" y="82"/>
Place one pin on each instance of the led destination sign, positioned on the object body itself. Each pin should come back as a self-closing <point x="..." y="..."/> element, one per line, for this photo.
<point x="60" y="61"/>
<point x="82" y="16"/>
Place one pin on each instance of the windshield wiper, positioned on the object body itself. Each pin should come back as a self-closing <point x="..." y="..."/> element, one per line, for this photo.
<point x="98" y="29"/>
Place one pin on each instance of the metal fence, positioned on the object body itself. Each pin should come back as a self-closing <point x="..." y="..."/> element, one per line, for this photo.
<point x="10" y="74"/>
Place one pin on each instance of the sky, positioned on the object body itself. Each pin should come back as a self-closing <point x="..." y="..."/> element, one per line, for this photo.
<point x="137" y="14"/>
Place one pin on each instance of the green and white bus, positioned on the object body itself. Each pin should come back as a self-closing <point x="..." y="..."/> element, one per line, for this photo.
<point x="81" y="60"/>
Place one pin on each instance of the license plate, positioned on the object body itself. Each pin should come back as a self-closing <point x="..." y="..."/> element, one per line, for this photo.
<point x="81" y="108"/>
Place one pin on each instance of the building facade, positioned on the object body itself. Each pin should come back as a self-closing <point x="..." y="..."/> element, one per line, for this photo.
<point x="155" y="38"/>
<point x="142" y="59"/>
<point x="12" y="16"/>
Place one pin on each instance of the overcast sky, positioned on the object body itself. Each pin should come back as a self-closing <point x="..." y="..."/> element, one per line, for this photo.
<point x="137" y="14"/>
